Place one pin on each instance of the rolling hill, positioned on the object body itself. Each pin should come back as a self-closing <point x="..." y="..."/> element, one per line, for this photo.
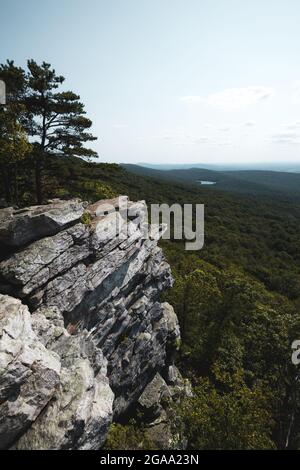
<point x="262" y="182"/>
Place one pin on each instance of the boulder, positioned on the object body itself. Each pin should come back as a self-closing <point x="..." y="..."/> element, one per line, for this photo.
<point x="54" y="390"/>
<point x="19" y="227"/>
<point x="81" y="413"/>
<point x="151" y="400"/>
<point x="44" y="259"/>
<point x="29" y="373"/>
<point x="107" y="206"/>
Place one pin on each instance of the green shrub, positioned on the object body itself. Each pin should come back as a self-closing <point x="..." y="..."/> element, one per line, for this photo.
<point x="127" y="437"/>
<point x="86" y="218"/>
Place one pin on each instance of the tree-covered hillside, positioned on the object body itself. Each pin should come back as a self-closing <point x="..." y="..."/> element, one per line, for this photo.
<point x="237" y="300"/>
<point x="274" y="184"/>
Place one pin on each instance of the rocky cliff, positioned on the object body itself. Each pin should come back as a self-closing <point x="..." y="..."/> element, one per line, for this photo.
<point x="83" y="334"/>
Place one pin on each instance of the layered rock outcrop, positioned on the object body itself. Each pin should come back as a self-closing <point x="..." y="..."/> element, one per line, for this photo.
<point x="82" y="329"/>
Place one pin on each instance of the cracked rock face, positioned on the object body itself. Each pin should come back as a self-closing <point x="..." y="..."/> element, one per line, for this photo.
<point x="19" y="227"/>
<point x="54" y="389"/>
<point x="80" y="414"/>
<point x="29" y="373"/>
<point x="82" y="329"/>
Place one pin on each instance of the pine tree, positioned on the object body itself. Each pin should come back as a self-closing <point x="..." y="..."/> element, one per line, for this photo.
<point x="58" y="124"/>
<point x="54" y="120"/>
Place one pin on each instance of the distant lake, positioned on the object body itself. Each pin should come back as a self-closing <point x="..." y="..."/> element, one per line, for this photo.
<point x="206" y="182"/>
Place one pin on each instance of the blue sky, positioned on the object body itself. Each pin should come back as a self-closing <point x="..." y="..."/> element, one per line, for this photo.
<point x="172" y="81"/>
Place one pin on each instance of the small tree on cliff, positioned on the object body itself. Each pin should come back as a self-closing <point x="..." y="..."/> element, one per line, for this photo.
<point x="58" y="124"/>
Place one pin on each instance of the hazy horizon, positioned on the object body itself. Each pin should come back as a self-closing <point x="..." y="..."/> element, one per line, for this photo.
<point x="170" y="81"/>
<point x="288" y="167"/>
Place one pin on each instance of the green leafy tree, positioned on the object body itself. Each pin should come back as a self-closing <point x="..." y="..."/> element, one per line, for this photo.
<point x="14" y="147"/>
<point x="128" y="437"/>
<point x="231" y="323"/>
<point x="236" y="417"/>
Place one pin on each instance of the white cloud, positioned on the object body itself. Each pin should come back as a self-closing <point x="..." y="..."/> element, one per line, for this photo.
<point x="296" y="91"/>
<point x="288" y="137"/>
<point x="201" y="140"/>
<point x="232" y="98"/>
<point x="293" y="126"/>
<point x="224" y="143"/>
<point x="120" y="126"/>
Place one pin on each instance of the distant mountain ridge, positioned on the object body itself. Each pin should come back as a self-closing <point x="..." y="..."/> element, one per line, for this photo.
<point x="263" y="182"/>
<point x="289" y="167"/>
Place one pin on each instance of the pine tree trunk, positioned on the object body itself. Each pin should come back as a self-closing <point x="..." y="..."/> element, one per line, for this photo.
<point x="6" y="184"/>
<point x="40" y="160"/>
<point x="38" y="181"/>
<point x="16" y="185"/>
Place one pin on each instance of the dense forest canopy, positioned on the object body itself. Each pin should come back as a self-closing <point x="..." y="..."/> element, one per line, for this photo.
<point x="278" y="184"/>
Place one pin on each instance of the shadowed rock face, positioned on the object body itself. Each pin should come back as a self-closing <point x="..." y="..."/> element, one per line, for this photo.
<point x="90" y="319"/>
